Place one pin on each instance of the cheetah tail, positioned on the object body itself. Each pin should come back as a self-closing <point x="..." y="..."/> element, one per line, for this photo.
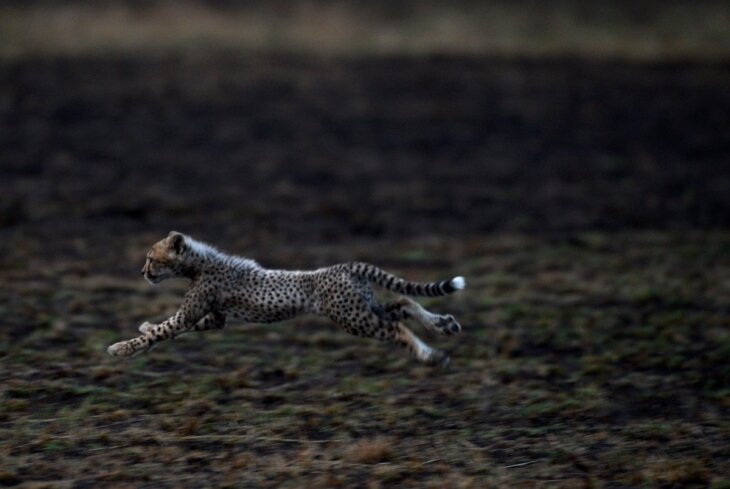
<point x="401" y="286"/>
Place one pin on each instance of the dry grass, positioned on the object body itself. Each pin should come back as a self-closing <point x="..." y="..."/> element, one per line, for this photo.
<point x="495" y="28"/>
<point x="370" y="451"/>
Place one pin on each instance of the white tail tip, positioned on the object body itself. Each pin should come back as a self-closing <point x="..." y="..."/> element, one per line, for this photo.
<point x="458" y="283"/>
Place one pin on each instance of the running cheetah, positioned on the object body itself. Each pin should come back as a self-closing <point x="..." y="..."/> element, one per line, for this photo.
<point x="230" y="286"/>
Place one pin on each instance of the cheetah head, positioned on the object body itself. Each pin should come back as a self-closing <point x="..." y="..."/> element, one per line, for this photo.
<point x="166" y="259"/>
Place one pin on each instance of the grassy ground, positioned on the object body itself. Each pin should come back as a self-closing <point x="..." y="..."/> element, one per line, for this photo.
<point x="600" y="360"/>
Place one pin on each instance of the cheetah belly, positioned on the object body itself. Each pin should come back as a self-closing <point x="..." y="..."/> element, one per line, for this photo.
<point x="253" y="312"/>
<point x="269" y="300"/>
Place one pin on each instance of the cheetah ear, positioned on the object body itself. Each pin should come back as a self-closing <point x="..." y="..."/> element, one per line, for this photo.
<point x="177" y="241"/>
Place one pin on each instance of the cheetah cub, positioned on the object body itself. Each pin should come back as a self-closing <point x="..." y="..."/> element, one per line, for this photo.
<point x="229" y="286"/>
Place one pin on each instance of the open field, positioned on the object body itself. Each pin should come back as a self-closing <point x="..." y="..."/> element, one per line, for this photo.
<point x="600" y="361"/>
<point x="585" y="202"/>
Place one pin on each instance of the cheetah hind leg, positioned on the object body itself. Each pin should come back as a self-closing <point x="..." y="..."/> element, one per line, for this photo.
<point x="423" y="352"/>
<point x="370" y="321"/>
<point x="399" y="334"/>
<point x="374" y="325"/>
<point x="406" y="308"/>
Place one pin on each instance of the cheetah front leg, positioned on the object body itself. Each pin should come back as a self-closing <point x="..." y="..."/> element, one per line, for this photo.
<point x="194" y="308"/>
<point x="212" y="320"/>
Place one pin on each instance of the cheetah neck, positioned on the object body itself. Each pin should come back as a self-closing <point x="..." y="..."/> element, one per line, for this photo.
<point x="202" y="256"/>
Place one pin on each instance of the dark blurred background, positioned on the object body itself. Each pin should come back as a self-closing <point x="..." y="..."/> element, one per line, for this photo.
<point x="571" y="159"/>
<point x="341" y="120"/>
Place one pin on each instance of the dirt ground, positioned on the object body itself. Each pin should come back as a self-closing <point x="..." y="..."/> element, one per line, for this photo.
<point x="586" y="203"/>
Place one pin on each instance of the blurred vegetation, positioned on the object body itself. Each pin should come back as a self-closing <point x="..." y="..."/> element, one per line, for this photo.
<point x="644" y="30"/>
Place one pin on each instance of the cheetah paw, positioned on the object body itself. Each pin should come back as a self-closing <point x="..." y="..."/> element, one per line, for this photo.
<point x="448" y="325"/>
<point x="124" y="349"/>
<point x="438" y="358"/>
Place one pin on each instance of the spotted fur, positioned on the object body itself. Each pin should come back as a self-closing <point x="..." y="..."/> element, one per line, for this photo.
<point x="225" y="286"/>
